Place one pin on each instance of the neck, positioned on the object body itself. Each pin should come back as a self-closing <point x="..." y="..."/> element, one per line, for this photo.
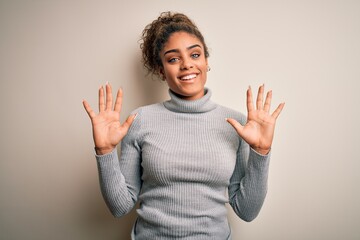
<point x="179" y="104"/>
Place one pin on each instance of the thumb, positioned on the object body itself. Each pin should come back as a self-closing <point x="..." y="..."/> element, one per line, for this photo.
<point x="236" y="125"/>
<point x="126" y="125"/>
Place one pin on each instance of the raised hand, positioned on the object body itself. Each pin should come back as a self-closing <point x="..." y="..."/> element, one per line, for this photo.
<point x="106" y="126"/>
<point x="259" y="129"/>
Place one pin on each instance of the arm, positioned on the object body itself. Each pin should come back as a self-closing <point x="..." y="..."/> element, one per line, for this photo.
<point x="248" y="184"/>
<point x="120" y="181"/>
<point x="107" y="134"/>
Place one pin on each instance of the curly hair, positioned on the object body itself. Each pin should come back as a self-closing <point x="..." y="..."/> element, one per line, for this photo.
<point x="156" y="34"/>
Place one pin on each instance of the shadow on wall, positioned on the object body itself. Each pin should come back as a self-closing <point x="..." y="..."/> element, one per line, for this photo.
<point x="101" y="224"/>
<point x="148" y="89"/>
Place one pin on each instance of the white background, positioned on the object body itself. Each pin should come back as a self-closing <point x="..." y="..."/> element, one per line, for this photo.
<point x="53" y="54"/>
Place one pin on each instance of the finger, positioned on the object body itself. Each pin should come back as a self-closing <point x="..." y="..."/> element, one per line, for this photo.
<point x="108" y="97"/>
<point x="88" y="109"/>
<point x="118" y="101"/>
<point x="101" y="99"/>
<point x="268" y="101"/>
<point x="259" y="99"/>
<point x="278" y="110"/>
<point x="249" y="100"/>
<point x="126" y="125"/>
<point x="236" y="125"/>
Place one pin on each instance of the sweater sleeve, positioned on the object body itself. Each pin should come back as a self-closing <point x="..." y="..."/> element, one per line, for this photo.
<point x="120" y="181"/>
<point x="248" y="184"/>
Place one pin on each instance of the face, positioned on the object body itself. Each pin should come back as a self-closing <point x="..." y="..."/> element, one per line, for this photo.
<point x="184" y="65"/>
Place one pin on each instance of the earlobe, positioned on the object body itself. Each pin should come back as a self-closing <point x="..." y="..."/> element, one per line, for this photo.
<point x="207" y="66"/>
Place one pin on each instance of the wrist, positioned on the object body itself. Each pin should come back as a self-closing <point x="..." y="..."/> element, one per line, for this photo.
<point x="262" y="151"/>
<point x="103" y="150"/>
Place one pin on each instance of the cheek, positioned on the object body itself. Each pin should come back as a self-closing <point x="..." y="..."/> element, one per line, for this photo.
<point x="170" y="72"/>
<point x="204" y="68"/>
<point x="203" y="64"/>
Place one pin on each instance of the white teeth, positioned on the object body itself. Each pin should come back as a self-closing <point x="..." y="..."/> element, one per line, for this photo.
<point x="188" y="77"/>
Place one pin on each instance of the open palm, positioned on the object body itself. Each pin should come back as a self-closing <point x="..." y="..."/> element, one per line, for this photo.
<point x="259" y="129"/>
<point x="107" y="129"/>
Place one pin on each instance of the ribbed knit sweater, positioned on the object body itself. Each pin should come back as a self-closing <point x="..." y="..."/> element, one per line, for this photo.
<point x="183" y="162"/>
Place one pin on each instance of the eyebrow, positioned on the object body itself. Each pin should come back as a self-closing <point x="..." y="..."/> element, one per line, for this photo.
<point x="177" y="50"/>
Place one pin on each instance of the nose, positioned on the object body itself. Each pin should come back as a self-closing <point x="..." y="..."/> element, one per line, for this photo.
<point x="186" y="64"/>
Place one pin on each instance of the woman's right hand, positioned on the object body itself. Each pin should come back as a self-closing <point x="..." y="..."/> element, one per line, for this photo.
<point x="106" y="126"/>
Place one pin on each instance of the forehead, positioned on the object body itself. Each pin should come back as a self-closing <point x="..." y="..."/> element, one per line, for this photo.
<point x="181" y="40"/>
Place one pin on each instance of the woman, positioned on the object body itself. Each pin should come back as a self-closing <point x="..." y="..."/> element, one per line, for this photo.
<point x="178" y="158"/>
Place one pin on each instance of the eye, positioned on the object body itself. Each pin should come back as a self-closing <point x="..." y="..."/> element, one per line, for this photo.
<point x="195" y="55"/>
<point x="172" y="60"/>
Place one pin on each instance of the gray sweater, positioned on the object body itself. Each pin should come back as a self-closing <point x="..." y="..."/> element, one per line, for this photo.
<point x="183" y="161"/>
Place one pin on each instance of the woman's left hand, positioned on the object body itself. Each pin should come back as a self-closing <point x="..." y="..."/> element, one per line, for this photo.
<point x="258" y="131"/>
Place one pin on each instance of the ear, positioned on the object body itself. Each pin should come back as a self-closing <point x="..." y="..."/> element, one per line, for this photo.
<point x="207" y="65"/>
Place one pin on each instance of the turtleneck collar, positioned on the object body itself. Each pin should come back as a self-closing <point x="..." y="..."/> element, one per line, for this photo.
<point x="200" y="105"/>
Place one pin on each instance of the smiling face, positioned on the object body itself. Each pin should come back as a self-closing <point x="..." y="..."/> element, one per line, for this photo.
<point x="184" y="65"/>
